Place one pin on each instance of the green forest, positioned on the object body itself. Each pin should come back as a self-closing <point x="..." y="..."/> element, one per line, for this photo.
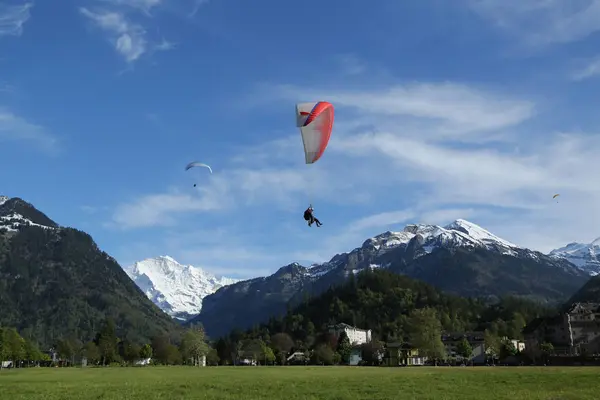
<point x="396" y="308"/>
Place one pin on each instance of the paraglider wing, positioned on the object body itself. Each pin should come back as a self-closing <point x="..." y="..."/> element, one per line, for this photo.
<point x="315" y="121"/>
<point x="555" y="196"/>
<point x="198" y="164"/>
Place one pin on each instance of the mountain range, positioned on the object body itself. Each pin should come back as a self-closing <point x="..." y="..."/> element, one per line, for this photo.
<point x="460" y="258"/>
<point x="55" y="283"/>
<point x="177" y="289"/>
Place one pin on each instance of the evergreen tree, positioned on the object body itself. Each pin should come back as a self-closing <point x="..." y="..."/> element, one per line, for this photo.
<point x="344" y="348"/>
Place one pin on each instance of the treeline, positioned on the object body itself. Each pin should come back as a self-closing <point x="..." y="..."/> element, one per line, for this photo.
<point x="396" y="308"/>
<point x="106" y="349"/>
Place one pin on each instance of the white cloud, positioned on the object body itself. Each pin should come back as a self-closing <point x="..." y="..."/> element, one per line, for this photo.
<point x="128" y="38"/>
<point x="161" y="209"/>
<point x="591" y="70"/>
<point x="381" y="220"/>
<point x="461" y="109"/>
<point x="543" y="22"/>
<point x="13" y="17"/>
<point x="196" y="7"/>
<point x="350" y="64"/>
<point x="16" y="128"/>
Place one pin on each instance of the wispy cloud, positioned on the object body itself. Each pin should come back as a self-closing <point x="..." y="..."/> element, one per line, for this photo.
<point x="16" y="128"/>
<point x="381" y="220"/>
<point x="128" y="38"/>
<point x="142" y="5"/>
<point x="542" y="22"/>
<point x="350" y="64"/>
<point x="162" y="209"/>
<point x="13" y="17"/>
<point x="591" y="69"/>
<point x="460" y="108"/>
<point x="125" y="22"/>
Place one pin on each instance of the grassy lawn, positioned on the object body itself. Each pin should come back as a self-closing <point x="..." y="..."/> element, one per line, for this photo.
<point x="301" y="383"/>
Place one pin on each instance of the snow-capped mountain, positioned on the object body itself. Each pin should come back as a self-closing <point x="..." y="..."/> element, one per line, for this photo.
<point x="177" y="289"/>
<point x="585" y="256"/>
<point x="460" y="258"/>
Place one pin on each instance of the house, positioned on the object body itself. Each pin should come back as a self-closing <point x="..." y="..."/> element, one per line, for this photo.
<point x="298" y="357"/>
<point x="518" y="344"/>
<point x="575" y="331"/>
<point x="403" y="354"/>
<point x="475" y="339"/>
<point x="356" y="335"/>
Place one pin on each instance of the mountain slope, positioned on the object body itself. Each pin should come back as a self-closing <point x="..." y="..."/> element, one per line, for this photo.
<point x="461" y="258"/>
<point x="177" y="289"/>
<point x="55" y="281"/>
<point x="585" y="256"/>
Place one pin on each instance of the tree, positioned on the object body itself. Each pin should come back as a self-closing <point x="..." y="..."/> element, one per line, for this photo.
<point x="91" y="353"/>
<point x="492" y="344"/>
<point x="32" y="352"/>
<point x="254" y="349"/>
<point x="212" y="358"/>
<point x="464" y="349"/>
<point x="547" y="349"/>
<point x="146" y="352"/>
<point x="425" y="333"/>
<point x="282" y="343"/>
<point x="131" y="352"/>
<point x="268" y="355"/>
<point x="344" y="348"/>
<point x="4" y="349"/>
<point x="107" y="342"/>
<point x="323" y="355"/>
<point x="161" y="350"/>
<point x="507" y="349"/>
<point x="372" y="352"/>
<point x="65" y="349"/>
<point x="15" y="344"/>
<point x="193" y="347"/>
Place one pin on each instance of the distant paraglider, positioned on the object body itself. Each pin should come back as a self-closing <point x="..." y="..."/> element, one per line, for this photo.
<point x="197" y="164"/>
<point x="555" y="196"/>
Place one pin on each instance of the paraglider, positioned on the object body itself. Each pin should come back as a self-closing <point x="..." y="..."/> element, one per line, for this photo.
<point x="315" y="121"/>
<point x="308" y="216"/>
<point x="197" y="164"/>
<point x="555" y="196"/>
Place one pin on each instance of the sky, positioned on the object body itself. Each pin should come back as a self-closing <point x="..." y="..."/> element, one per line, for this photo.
<point x="473" y="109"/>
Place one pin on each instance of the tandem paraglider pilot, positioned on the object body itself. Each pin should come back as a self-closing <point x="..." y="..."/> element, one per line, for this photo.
<point x="308" y="216"/>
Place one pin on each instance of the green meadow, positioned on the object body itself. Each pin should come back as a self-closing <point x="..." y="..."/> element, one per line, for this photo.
<point x="301" y="383"/>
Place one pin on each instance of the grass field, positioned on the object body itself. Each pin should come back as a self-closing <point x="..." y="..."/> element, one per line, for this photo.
<point x="301" y="383"/>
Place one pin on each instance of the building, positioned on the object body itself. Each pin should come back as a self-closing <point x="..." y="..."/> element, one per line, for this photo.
<point x="476" y="341"/>
<point x="403" y="354"/>
<point x="357" y="336"/>
<point x="576" y="331"/>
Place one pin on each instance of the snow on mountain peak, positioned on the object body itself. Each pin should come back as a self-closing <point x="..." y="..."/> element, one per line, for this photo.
<point x="177" y="289"/>
<point x="584" y="256"/>
<point x="3" y="199"/>
<point x="477" y="232"/>
<point x="460" y="233"/>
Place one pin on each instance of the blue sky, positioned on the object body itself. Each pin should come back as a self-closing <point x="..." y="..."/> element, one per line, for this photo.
<point x="466" y="109"/>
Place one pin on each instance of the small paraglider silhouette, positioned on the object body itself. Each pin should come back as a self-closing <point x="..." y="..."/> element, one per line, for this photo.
<point x="555" y="196"/>
<point x="197" y="164"/>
